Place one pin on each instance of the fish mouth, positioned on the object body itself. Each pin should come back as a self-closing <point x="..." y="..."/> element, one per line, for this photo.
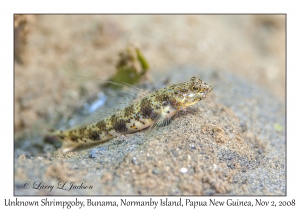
<point x="207" y="92"/>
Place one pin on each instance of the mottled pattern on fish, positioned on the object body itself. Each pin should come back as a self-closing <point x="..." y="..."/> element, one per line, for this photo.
<point x="153" y="110"/>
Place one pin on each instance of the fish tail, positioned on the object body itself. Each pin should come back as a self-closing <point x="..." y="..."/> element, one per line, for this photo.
<point x="58" y="137"/>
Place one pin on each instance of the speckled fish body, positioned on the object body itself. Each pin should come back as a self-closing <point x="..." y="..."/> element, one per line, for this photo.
<point x="152" y="110"/>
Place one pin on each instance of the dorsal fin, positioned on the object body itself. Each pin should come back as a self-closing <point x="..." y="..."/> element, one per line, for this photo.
<point x="132" y="95"/>
<point x="125" y="87"/>
<point x="94" y="117"/>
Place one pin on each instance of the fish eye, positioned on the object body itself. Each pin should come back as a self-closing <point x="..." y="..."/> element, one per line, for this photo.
<point x="164" y="103"/>
<point x="195" y="88"/>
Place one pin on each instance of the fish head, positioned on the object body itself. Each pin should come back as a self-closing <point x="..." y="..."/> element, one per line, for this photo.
<point x="192" y="92"/>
